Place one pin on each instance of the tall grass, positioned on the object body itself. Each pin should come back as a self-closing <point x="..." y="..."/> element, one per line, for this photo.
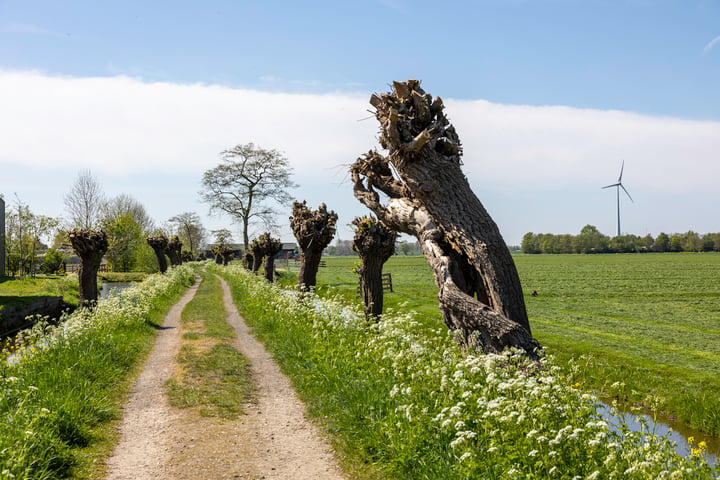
<point x="405" y="398"/>
<point x="65" y="385"/>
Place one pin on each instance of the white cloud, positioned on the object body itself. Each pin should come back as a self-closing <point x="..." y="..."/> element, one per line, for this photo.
<point x="711" y="44"/>
<point x="123" y="128"/>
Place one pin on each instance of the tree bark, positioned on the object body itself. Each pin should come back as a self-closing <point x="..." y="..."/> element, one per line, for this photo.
<point x="375" y="243"/>
<point x="429" y="197"/>
<point x="173" y="250"/>
<point x="90" y="246"/>
<point x="257" y="256"/>
<point x="159" y="244"/>
<point x="314" y="230"/>
<point x="248" y="261"/>
<point x="269" y="247"/>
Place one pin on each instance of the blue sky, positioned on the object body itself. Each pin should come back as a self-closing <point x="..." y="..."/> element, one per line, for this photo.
<point x="549" y="97"/>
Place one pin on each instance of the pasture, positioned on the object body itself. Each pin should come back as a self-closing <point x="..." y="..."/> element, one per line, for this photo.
<point x="642" y="329"/>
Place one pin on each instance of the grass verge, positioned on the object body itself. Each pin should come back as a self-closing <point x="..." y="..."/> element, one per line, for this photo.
<point x="402" y="399"/>
<point x="212" y="375"/>
<point x="63" y="392"/>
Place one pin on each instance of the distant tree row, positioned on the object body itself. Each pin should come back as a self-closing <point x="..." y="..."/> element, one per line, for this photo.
<point x="590" y="240"/>
<point x="345" y="248"/>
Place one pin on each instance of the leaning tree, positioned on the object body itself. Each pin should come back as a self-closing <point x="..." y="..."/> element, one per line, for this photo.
<point x="429" y="197"/>
<point x="313" y="229"/>
<point x="90" y="245"/>
<point x="174" y="251"/>
<point x="159" y="243"/>
<point x="374" y="242"/>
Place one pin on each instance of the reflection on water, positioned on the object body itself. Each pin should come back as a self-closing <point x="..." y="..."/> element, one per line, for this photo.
<point x="679" y="432"/>
<point x="113" y="288"/>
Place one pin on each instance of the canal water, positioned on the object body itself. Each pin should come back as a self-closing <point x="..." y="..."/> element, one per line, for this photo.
<point x="679" y="433"/>
<point x="113" y="288"/>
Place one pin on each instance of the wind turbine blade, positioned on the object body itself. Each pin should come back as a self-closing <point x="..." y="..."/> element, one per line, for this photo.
<point x="621" y="171"/>
<point x="626" y="193"/>
<point x="613" y="185"/>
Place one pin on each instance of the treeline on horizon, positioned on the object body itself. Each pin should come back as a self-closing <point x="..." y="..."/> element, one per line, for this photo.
<point x="590" y="240"/>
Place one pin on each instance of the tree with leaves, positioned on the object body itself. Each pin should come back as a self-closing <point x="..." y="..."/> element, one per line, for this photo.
<point x="374" y="242"/>
<point x="90" y="246"/>
<point x="427" y="195"/>
<point x="314" y="230"/>
<point x="245" y="183"/>
<point x="23" y="232"/>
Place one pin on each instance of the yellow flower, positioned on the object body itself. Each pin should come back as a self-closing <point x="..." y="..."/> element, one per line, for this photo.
<point x="702" y="445"/>
<point x="691" y="440"/>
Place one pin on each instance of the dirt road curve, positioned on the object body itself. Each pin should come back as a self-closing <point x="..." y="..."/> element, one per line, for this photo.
<point x="273" y="441"/>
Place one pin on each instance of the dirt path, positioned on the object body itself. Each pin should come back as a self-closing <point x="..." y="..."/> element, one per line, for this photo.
<point x="272" y="441"/>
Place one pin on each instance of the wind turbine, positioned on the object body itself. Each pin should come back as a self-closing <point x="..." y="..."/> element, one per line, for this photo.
<point x="618" y="186"/>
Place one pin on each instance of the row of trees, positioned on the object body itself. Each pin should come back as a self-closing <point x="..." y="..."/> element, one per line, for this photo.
<point x="124" y="220"/>
<point x="590" y="240"/>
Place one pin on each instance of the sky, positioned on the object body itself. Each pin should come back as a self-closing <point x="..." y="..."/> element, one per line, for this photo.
<point x="549" y="98"/>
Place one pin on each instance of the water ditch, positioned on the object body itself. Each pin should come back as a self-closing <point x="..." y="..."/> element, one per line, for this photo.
<point x="678" y="432"/>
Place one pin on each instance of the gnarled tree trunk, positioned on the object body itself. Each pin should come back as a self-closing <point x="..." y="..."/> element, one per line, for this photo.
<point x="159" y="244"/>
<point x="173" y="249"/>
<point x="247" y="261"/>
<point x="90" y="246"/>
<point x="375" y="243"/>
<point x="313" y="230"/>
<point x="479" y="288"/>
<point x="256" y="250"/>
<point x="270" y="247"/>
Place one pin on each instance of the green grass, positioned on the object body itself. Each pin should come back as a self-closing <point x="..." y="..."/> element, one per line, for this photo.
<point x="213" y="376"/>
<point x="401" y="400"/>
<point x="25" y="290"/>
<point x="650" y="323"/>
<point x="60" y="401"/>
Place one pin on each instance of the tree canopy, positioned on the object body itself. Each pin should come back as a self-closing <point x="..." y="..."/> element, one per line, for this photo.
<point x="246" y="183"/>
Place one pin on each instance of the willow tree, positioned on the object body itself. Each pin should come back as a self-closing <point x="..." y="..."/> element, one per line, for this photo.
<point x="374" y="242"/>
<point x="159" y="243"/>
<point x="313" y="229"/>
<point x="90" y="245"/>
<point x="428" y="196"/>
<point x="269" y="247"/>
<point x="174" y="251"/>
<point x="257" y="254"/>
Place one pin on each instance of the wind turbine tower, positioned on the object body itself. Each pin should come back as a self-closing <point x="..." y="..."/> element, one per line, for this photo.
<point x="618" y="186"/>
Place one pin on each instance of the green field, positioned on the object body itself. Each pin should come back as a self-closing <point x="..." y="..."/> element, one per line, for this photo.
<point x="644" y="329"/>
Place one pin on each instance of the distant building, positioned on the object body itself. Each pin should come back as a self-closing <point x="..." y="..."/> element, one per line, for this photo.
<point x="2" y="236"/>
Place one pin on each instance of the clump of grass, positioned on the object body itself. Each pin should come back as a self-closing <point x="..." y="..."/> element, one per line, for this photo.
<point x="212" y="376"/>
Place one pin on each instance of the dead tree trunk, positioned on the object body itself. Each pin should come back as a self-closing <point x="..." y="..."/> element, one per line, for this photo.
<point x="313" y="230"/>
<point x="429" y="197"/>
<point x="173" y="249"/>
<point x="159" y="244"/>
<point x="90" y="246"/>
<point x="270" y="247"/>
<point x="375" y="243"/>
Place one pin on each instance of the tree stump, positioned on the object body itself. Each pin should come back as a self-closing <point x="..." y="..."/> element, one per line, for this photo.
<point x="374" y="242"/>
<point x="314" y="230"/>
<point x="429" y="197"/>
<point x="159" y="244"/>
<point x="90" y="246"/>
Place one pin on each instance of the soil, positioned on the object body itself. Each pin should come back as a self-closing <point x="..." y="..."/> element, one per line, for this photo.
<point x="273" y="440"/>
